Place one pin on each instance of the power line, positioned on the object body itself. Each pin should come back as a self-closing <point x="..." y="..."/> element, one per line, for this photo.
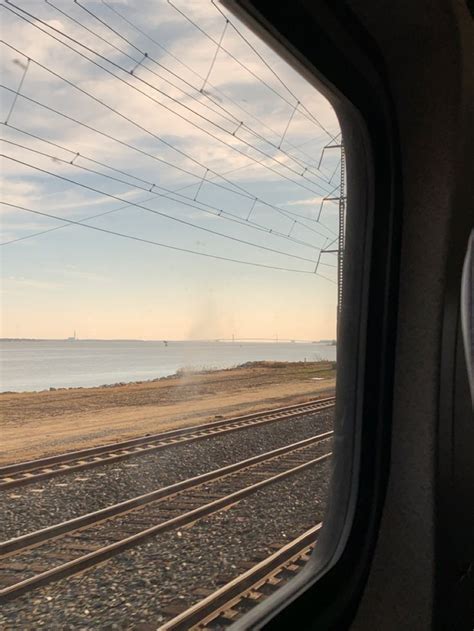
<point x="162" y="245"/>
<point x="170" y="109"/>
<point x="223" y="129"/>
<point x="117" y="112"/>
<point x="308" y="166"/>
<point x="112" y="45"/>
<point x="289" y="212"/>
<point x="215" y="55"/>
<point x="309" y="116"/>
<point x="145" y="56"/>
<point x="263" y="60"/>
<point x="18" y="90"/>
<point x="181" y="188"/>
<point x="215" y="174"/>
<point x="157" y="212"/>
<point x="247" y="194"/>
<point x="150" y="186"/>
<point x="121" y="142"/>
<point x="335" y="170"/>
<point x="62" y="226"/>
<point x="201" y="90"/>
<point x="96" y="216"/>
<point x="215" y="88"/>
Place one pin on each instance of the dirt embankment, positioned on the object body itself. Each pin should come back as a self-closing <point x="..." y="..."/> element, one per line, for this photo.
<point x="34" y="424"/>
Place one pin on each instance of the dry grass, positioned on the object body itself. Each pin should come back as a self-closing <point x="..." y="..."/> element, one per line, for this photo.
<point x="38" y="423"/>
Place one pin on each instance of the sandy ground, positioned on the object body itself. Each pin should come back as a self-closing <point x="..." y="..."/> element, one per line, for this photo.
<point x="41" y="423"/>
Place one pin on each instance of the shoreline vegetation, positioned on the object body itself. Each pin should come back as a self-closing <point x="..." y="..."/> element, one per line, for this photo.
<point x="36" y="424"/>
<point x="322" y="365"/>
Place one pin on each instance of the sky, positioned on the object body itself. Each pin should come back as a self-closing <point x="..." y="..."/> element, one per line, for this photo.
<point x="131" y="110"/>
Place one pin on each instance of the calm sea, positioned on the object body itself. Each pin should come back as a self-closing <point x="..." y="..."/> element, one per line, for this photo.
<point x="62" y="364"/>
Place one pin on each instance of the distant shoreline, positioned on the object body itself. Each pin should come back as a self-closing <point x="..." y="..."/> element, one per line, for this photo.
<point x="180" y="373"/>
<point x="40" y="365"/>
<point x="247" y="340"/>
<point x="35" y="424"/>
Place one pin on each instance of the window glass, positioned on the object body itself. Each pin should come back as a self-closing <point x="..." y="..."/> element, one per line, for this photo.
<point x="173" y="208"/>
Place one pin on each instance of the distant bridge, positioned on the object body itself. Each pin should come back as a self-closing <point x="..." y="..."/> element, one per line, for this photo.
<point x="273" y="339"/>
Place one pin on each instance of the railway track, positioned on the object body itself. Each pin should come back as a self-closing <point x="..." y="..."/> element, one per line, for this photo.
<point x="22" y="473"/>
<point x="46" y="555"/>
<point x="223" y="607"/>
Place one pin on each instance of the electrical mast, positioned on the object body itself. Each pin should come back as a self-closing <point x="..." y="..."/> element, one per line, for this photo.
<point x="341" y="199"/>
<point x="341" y="234"/>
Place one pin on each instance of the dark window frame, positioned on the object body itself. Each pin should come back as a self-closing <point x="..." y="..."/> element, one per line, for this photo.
<point x="331" y="49"/>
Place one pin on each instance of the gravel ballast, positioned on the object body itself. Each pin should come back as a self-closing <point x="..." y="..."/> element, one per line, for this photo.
<point x="63" y="497"/>
<point x="133" y="590"/>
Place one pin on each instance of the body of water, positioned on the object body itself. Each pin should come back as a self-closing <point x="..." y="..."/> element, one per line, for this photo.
<point x="39" y="365"/>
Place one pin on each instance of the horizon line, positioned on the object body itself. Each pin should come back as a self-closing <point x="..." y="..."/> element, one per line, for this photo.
<point x="209" y="339"/>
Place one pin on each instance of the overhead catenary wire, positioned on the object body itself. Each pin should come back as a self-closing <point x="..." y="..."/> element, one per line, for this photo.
<point x="144" y="56"/>
<point x="335" y="171"/>
<point x="177" y="190"/>
<point x="308" y="166"/>
<point x="150" y="187"/>
<point x="123" y="143"/>
<point x="247" y="194"/>
<point x="162" y="245"/>
<point x="170" y="145"/>
<point x="249" y="70"/>
<point x="49" y="70"/>
<point x="77" y="157"/>
<point x="250" y="197"/>
<point x="218" y="90"/>
<point x="18" y="90"/>
<point x="156" y="212"/>
<point x="96" y="216"/>
<point x="272" y="70"/>
<point x="231" y="117"/>
<point x="218" y="44"/>
<point x="62" y="226"/>
<point x="288" y="124"/>
<point x="218" y="47"/>
<point x="287" y="210"/>
<point x="159" y="103"/>
<point x="317" y="220"/>
<point x="88" y="218"/>
<point x="140" y="79"/>
<point x="290" y="213"/>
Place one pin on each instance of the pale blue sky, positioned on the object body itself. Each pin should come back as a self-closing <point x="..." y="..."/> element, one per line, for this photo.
<point x="105" y="286"/>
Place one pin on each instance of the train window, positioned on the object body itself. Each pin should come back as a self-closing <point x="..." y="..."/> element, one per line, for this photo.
<point x="176" y="238"/>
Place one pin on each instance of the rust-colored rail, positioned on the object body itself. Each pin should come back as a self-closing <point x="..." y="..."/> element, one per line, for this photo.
<point x="22" y="473"/>
<point x="224" y="606"/>
<point x="51" y="532"/>
<point x="78" y="534"/>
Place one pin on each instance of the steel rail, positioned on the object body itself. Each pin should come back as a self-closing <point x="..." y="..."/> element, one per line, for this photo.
<point x="51" y="532"/>
<point x="106" y="552"/>
<point x="19" y="474"/>
<point x="221" y="603"/>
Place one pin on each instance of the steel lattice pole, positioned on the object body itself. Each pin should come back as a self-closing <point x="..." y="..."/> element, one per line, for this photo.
<point x="341" y="237"/>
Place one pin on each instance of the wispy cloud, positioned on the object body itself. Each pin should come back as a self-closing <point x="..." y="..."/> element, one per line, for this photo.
<point x="160" y="126"/>
<point x="312" y="201"/>
<point x="20" y="284"/>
